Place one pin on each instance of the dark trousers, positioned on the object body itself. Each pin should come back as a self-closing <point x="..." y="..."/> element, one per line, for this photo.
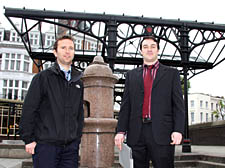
<point x="162" y="156"/>
<point x="54" y="156"/>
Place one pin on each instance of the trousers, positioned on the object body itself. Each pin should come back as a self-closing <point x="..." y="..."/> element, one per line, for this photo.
<point x="146" y="149"/>
<point x="56" y="156"/>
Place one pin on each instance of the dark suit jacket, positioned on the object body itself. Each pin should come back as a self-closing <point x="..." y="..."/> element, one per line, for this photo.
<point x="167" y="105"/>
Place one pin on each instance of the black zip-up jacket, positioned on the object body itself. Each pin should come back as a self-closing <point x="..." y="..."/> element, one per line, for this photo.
<point x="53" y="108"/>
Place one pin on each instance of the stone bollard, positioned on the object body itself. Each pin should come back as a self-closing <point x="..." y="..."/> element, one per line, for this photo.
<point x="97" y="144"/>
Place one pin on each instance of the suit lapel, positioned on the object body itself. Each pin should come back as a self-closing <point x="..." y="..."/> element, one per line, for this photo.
<point x="160" y="73"/>
<point x="140" y="78"/>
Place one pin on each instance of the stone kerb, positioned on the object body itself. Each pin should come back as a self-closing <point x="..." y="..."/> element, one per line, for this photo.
<point x="13" y="149"/>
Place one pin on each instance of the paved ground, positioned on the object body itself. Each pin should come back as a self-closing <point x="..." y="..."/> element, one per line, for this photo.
<point x="203" y="150"/>
<point x="11" y="163"/>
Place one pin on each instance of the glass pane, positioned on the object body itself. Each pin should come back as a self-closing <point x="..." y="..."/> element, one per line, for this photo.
<point x="24" y="84"/>
<point x="5" y="83"/>
<point x="17" y="65"/>
<point x="12" y="64"/>
<point x="6" y="64"/>
<point x="10" y="83"/>
<point x="16" y="83"/>
<point x="18" y="56"/>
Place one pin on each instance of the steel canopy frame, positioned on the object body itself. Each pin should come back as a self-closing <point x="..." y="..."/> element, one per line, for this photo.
<point x="193" y="47"/>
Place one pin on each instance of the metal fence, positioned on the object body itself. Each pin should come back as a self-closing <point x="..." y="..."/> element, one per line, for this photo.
<point x="10" y="113"/>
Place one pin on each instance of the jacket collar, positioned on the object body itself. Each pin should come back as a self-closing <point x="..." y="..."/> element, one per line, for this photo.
<point x="160" y="73"/>
<point x="75" y="74"/>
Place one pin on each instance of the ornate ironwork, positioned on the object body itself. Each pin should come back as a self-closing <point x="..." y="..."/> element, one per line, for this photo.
<point x="191" y="46"/>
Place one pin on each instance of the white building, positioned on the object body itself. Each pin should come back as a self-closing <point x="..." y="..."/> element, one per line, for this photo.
<point x="16" y="65"/>
<point x="201" y="106"/>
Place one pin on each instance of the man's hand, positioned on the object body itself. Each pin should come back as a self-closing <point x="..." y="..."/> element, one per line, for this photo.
<point x="176" y="138"/>
<point x="119" y="138"/>
<point x="30" y="147"/>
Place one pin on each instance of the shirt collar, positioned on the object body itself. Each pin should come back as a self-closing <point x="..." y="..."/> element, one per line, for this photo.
<point x="155" y="65"/>
<point x="63" y="69"/>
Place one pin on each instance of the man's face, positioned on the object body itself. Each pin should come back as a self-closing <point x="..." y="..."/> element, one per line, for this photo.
<point x="65" y="52"/>
<point x="149" y="51"/>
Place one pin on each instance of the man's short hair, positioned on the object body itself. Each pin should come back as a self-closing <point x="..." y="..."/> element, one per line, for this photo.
<point x="62" y="38"/>
<point x="149" y="37"/>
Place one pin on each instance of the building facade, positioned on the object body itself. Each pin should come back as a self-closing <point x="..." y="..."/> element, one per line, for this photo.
<point x="15" y="66"/>
<point x="201" y="107"/>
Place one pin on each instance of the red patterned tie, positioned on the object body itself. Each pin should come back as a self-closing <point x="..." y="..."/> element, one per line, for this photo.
<point x="148" y="80"/>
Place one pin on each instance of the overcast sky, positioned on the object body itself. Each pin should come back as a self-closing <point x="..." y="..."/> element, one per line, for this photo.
<point x="209" y="82"/>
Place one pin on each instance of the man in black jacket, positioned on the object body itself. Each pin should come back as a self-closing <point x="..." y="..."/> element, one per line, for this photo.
<point x="152" y="110"/>
<point x="52" y="117"/>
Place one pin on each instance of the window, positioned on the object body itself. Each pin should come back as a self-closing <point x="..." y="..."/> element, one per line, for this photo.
<point x="26" y="57"/>
<point x="88" y="45"/>
<point x="192" y="103"/>
<point x="216" y="106"/>
<point x="212" y="118"/>
<point x="99" y="47"/>
<point x="24" y="85"/>
<point x="16" y="94"/>
<point x="50" y="41"/>
<point x="206" y="105"/>
<point x="23" y="94"/>
<point x="77" y="44"/>
<point x="6" y="64"/>
<point x="17" y="65"/>
<point x="12" y="65"/>
<point x="12" y="62"/>
<point x="5" y="83"/>
<point x="10" y="83"/>
<point x="13" y="56"/>
<point x="16" y="83"/>
<point x="192" y="117"/>
<point x="18" y="56"/>
<point x="10" y="94"/>
<point x="1" y="36"/>
<point x="201" y="102"/>
<point x="7" y="55"/>
<point x="211" y="106"/>
<point x="14" y="37"/>
<point x="33" y="39"/>
<point x="26" y="67"/>
<point x="92" y="46"/>
<point x="4" y="92"/>
<point x="18" y="39"/>
<point x="201" y="117"/>
<point x="85" y="45"/>
<point x="206" y="117"/>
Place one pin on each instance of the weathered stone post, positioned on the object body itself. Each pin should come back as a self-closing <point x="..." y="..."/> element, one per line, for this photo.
<point x="97" y="144"/>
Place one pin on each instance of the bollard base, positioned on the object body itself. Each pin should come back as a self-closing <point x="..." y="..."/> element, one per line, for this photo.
<point x="186" y="146"/>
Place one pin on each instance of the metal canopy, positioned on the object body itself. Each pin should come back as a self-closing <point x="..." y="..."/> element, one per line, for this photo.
<point x="191" y="46"/>
<point x="118" y="33"/>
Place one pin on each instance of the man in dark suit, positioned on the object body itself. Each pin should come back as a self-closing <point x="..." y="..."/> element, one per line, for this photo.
<point x="152" y="110"/>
